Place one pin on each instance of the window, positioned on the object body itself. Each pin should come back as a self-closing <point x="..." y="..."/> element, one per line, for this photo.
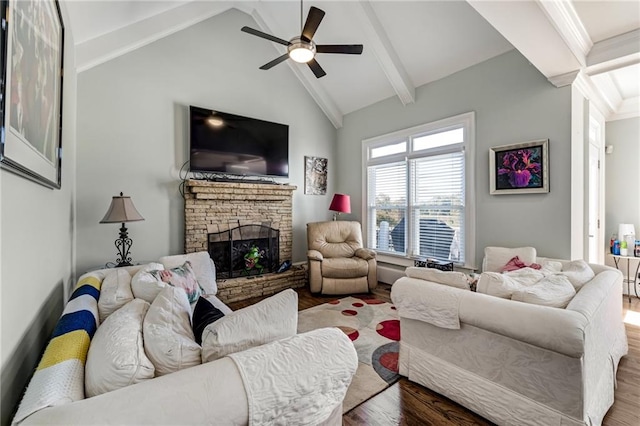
<point x="419" y="194"/>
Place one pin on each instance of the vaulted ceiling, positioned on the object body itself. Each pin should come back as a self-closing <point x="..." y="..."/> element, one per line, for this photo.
<point x="406" y="43"/>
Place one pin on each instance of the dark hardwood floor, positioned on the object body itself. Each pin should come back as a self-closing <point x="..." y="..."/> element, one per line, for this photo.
<point x="407" y="403"/>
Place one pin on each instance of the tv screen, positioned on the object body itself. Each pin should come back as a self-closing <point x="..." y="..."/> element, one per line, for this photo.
<point x="232" y="144"/>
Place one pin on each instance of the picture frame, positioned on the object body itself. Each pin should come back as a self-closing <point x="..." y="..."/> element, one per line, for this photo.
<point x="31" y="65"/>
<point x="521" y="168"/>
<point x="315" y="175"/>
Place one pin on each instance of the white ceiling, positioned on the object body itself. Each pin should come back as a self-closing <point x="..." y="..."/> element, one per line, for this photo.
<point x="406" y="43"/>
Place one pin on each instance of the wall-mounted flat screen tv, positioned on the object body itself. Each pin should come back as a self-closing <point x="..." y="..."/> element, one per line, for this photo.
<point x="231" y="144"/>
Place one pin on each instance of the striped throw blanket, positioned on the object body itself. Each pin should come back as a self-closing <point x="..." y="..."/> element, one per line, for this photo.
<point x="59" y="377"/>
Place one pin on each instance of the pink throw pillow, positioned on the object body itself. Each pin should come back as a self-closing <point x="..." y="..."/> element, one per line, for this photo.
<point x="515" y="263"/>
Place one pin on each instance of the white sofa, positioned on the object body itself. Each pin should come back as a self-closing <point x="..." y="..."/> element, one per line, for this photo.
<point x="516" y="363"/>
<point x="276" y="383"/>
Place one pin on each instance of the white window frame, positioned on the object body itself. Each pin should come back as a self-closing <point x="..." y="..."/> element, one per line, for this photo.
<point x="467" y="122"/>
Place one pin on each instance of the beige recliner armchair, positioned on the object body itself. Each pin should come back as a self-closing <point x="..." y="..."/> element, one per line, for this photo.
<point x="338" y="263"/>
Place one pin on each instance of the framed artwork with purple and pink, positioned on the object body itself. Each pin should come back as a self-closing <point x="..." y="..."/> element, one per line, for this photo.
<point x="521" y="168"/>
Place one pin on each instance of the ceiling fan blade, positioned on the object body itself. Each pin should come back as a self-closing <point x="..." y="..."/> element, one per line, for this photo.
<point x="313" y="21"/>
<point x="349" y="49"/>
<point x="264" y="35"/>
<point x="316" y="68"/>
<point x="275" y="62"/>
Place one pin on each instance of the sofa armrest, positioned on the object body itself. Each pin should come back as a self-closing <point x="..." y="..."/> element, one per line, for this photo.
<point x="216" y="392"/>
<point x="314" y="255"/>
<point x="555" y="329"/>
<point x="559" y="330"/>
<point x="365" y="254"/>
<point x="190" y="396"/>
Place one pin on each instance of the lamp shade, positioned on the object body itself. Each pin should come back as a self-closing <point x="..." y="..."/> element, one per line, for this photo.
<point x="121" y="210"/>
<point x="341" y="203"/>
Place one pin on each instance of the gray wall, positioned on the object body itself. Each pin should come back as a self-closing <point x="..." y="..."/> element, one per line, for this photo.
<point x="513" y="103"/>
<point x="132" y="114"/>
<point x="622" y="175"/>
<point x="36" y="262"/>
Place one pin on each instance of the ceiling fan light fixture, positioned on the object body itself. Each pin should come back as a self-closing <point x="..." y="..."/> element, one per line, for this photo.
<point x="301" y="51"/>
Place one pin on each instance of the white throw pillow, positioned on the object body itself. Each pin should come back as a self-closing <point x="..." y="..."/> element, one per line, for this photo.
<point x="269" y="320"/>
<point x="495" y="258"/>
<point x="116" y="356"/>
<point x="578" y="272"/>
<point x="115" y="292"/>
<point x="203" y="268"/>
<point x="450" y="278"/>
<point x="503" y="285"/>
<point x="168" y="336"/>
<point x="145" y="285"/>
<point x="553" y="290"/>
<point x="550" y="267"/>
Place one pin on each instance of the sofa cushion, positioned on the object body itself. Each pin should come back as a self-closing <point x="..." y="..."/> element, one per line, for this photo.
<point x="116" y="356"/>
<point x="203" y="267"/>
<point x="578" y="272"/>
<point x="503" y="285"/>
<point x="450" y="278"/>
<point x="182" y="277"/>
<point x="145" y="285"/>
<point x="204" y="313"/>
<point x="344" y="267"/>
<point x="115" y="292"/>
<point x="168" y="338"/>
<point x="495" y="258"/>
<point x="553" y="290"/>
<point x="271" y="319"/>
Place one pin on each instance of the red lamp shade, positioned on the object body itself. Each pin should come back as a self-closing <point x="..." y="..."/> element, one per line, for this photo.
<point x="341" y="203"/>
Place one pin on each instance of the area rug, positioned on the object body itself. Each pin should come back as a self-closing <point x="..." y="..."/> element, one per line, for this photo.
<point x="373" y="327"/>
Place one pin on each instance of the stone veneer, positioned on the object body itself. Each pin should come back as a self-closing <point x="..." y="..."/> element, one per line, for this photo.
<point x="217" y="206"/>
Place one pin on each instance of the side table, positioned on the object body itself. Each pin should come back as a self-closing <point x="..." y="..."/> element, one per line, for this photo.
<point x="628" y="280"/>
<point x="113" y="265"/>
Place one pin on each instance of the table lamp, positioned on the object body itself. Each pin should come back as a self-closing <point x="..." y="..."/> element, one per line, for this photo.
<point x="122" y="210"/>
<point x="341" y="203"/>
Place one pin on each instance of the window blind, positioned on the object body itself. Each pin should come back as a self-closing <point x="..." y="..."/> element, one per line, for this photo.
<point x="438" y="206"/>
<point x="387" y="206"/>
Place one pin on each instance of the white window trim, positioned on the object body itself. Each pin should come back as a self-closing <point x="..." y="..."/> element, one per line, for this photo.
<point x="467" y="120"/>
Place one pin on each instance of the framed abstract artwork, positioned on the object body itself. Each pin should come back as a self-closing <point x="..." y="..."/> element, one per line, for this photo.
<point x="31" y="90"/>
<point x="521" y="168"/>
<point x="315" y="175"/>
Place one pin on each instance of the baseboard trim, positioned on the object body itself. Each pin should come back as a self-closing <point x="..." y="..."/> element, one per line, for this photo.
<point x="388" y="274"/>
<point x="21" y="364"/>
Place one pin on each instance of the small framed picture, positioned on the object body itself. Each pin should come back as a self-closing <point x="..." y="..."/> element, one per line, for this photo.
<point x="315" y="175"/>
<point x="521" y="168"/>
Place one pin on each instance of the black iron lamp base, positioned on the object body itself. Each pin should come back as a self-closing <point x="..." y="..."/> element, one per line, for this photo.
<point x="123" y="244"/>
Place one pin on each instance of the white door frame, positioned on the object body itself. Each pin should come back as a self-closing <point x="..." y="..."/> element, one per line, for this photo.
<point x="596" y="142"/>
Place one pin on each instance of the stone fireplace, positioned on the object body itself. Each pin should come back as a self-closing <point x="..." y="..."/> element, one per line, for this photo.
<point x="216" y="208"/>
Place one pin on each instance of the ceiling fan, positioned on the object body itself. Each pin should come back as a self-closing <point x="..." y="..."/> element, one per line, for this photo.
<point x="302" y="49"/>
